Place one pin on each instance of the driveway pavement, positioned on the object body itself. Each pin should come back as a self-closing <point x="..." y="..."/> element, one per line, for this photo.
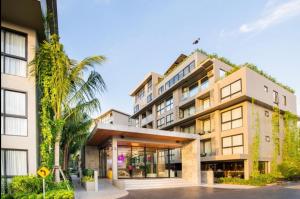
<point x="290" y="191"/>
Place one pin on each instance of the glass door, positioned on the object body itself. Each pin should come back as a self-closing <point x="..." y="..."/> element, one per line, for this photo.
<point x="138" y="162"/>
<point x="151" y="162"/>
<point x="162" y="163"/>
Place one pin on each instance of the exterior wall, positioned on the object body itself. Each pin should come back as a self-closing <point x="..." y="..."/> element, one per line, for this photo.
<point x="24" y="84"/>
<point x="119" y="118"/>
<point x="91" y="157"/>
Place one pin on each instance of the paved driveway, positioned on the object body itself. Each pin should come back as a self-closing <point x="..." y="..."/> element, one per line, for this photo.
<point x="270" y="192"/>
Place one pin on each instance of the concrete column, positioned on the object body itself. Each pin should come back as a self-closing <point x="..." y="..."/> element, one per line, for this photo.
<point x="114" y="158"/>
<point x="96" y="180"/>
<point x="191" y="170"/>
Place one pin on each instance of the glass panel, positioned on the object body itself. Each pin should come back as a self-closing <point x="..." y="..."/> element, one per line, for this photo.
<point x="236" y="87"/>
<point x="227" y="142"/>
<point x="162" y="166"/>
<point x="226" y="126"/>
<point x="237" y="123"/>
<point x="237" y="140"/>
<point x="193" y="90"/>
<point x="124" y="167"/>
<point x="2" y="126"/>
<point x="137" y="161"/>
<point x="222" y="73"/>
<point x="204" y="85"/>
<point x="238" y="150"/>
<point x="2" y="64"/>
<point x="15" y="103"/>
<point x="2" y="162"/>
<point x="236" y="113"/>
<point x="16" y="162"/>
<point x="15" y="44"/>
<point x="151" y="163"/>
<point x="226" y="116"/>
<point x="15" y="126"/>
<point x="225" y="91"/>
<point x="175" y="162"/>
<point x="207" y="146"/>
<point x="2" y="101"/>
<point x="15" y="66"/>
<point x="227" y="151"/>
<point x="2" y="41"/>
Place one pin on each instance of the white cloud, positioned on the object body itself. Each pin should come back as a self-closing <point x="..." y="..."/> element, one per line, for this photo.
<point x="273" y="15"/>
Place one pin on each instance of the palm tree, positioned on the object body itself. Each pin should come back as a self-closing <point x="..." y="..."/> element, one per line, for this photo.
<point x="75" y="133"/>
<point x="68" y="92"/>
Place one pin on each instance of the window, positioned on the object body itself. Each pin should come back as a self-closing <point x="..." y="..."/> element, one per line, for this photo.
<point x="189" y="91"/>
<point x="13" y="113"/>
<point x="206" y="147"/>
<point x="266" y="89"/>
<point x="230" y="90"/>
<point x="149" y="86"/>
<point x="13" y="162"/>
<point x="267" y="138"/>
<point x="189" y="129"/>
<point x="284" y="100"/>
<point x="267" y="113"/>
<point x="232" y="145"/>
<point x="232" y="119"/>
<point x="160" y="122"/>
<point x="13" y="53"/>
<point x="149" y="98"/>
<point x="160" y="109"/>
<point x="222" y="73"/>
<point x="206" y="126"/>
<point x="204" y="84"/>
<point x="169" y="119"/>
<point x="169" y="104"/>
<point x="188" y="111"/>
<point x="161" y="90"/>
<point x="275" y="97"/>
<point x="136" y="109"/>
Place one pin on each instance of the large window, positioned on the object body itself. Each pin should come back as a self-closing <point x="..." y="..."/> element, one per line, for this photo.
<point x="13" y="113"/>
<point x="189" y="129"/>
<point x="13" y="162"/>
<point x="160" y="122"/>
<point x="206" y="147"/>
<point x="233" y="145"/>
<point x="136" y="108"/>
<point x="149" y="98"/>
<point x="206" y="126"/>
<point x="187" y="112"/>
<point x="160" y="108"/>
<point x="232" y="119"/>
<point x="189" y="91"/>
<point x="169" y="104"/>
<point x="231" y="89"/>
<point x="13" y="53"/>
<point x="204" y="83"/>
<point x="169" y="119"/>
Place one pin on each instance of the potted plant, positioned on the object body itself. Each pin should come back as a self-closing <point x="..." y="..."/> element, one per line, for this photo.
<point x="88" y="181"/>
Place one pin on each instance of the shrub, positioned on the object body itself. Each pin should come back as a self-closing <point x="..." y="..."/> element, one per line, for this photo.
<point x="290" y="170"/>
<point x="88" y="172"/>
<point x="87" y="179"/>
<point x="26" y="184"/>
<point x="6" y="196"/>
<point x="259" y="180"/>
<point x="53" y="194"/>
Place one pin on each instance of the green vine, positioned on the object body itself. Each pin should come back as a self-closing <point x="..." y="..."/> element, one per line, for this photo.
<point x="275" y="139"/>
<point x="255" y="142"/>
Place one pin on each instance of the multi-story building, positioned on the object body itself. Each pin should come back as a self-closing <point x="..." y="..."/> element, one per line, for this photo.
<point x="22" y="29"/>
<point x="196" y="95"/>
<point x="114" y="116"/>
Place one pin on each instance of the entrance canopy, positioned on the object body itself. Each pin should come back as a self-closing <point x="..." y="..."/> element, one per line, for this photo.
<point x="103" y="132"/>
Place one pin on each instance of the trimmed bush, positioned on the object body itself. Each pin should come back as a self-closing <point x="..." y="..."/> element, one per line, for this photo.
<point x="26" y="184"/>
<point x="259" y="180"/>
<point x="290" y="170"/>
<point x="53" y="194"/>
<point x="88" y="172"/>
<point x="87" y="179"/>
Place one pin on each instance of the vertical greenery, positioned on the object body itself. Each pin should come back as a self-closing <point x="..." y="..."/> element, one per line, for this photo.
<point x="255" y="141"/>
<point x="275" y="139"/>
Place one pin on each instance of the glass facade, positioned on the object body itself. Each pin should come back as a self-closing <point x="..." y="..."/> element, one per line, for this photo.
<point x="148" y="162"/>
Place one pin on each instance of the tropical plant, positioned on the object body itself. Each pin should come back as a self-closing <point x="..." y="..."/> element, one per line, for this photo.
<point x="64" y="91"/>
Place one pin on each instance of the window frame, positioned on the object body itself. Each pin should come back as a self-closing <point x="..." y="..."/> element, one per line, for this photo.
<point x="162" y="122"/>
<point x="231" y="120"/>
<point x="275" y="97"/>
<point x="4" y="166"/>
<point x="230" y="93"/>
<point x="149" y="98"/>
<point x="266" y="88"/>
<point x="203" y="146"/>
<point x="171" y="117"/>
<point x="4" y="114"/>
<point x="232" y="146"/>
<point x="4" y="54"/>
<point x="169" y="104"/>
<point x="284" y="100"/>
<point x="161" y="109"/>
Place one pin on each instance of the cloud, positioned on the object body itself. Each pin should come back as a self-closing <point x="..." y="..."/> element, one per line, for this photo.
<point x="273" y="15"/>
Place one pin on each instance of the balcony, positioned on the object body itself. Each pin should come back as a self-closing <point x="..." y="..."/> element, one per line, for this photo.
<point x="147" y="120"/>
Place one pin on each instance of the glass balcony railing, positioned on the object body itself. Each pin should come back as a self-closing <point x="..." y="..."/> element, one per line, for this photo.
<point x="147" y="119"/>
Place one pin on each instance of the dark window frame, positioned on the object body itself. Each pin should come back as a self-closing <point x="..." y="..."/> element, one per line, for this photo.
<point x="169" y="103"/>
<point x="149" y="98"/>
<point x="4" y="54"/>
<point x="231" y="120"/>
<point x="160" y="109"/>
<point x="4" y="114"/>
<point x="171" y="117"/>
<point x="230" y="93"/>
<point x="266" y="89"/>
<point x="162" y="122"/>
<point x="232" y="146"/>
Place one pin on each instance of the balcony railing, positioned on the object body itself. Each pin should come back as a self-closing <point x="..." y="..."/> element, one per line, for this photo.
<point x="147" y="119"/>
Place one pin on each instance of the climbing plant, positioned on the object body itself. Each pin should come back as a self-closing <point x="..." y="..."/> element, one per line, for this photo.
<point x="255" y="141"/>
<point x="275" y="139"/>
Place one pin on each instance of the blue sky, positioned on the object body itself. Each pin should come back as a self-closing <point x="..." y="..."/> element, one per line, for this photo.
<point x="139" y="36"/>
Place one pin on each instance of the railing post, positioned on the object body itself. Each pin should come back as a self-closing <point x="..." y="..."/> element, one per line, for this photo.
<point x="96" y="180"/>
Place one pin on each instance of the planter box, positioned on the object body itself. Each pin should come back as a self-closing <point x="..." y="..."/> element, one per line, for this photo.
<point x="89" y="186"/>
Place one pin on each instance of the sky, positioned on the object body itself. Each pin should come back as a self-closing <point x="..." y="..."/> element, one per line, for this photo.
<point x="140" y="36"/>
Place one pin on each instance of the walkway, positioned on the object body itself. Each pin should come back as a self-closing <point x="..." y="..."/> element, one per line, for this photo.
<point x="106" y="190"/>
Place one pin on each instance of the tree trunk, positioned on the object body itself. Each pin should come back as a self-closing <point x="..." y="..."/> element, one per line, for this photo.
<point x="66" y="152"/>
<point x="68" y="158"/>
<point x="56" y="160"/>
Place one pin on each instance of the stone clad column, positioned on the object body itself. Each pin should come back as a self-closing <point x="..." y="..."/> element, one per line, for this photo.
<point x="114" y="159"/>
<point x="191" y="170"/>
